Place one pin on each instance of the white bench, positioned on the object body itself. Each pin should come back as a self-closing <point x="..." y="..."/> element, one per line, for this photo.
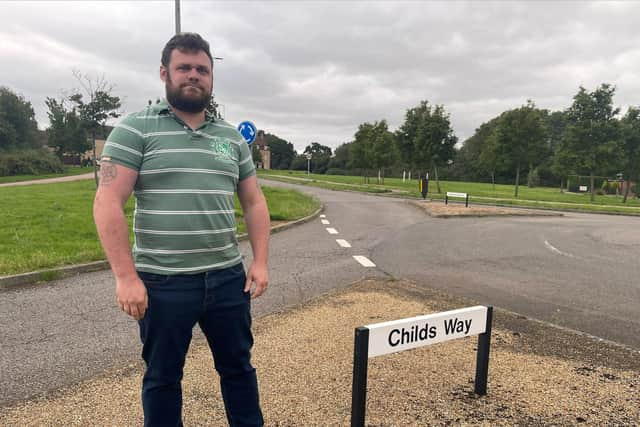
<point x="464" y="196"/>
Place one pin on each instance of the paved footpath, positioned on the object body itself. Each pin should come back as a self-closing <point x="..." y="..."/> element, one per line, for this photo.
<point x="50" y="180"/>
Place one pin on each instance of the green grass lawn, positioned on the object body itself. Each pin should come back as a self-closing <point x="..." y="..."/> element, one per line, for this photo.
<point x="542" y="197"/>
<point x="50" y="225"/>
<point x="69" y="170"/>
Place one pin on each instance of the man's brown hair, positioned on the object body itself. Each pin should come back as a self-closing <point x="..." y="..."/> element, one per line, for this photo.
<point x="185" y="42"/>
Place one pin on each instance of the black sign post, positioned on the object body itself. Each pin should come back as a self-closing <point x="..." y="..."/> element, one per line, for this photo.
<point x="424" y="187"/>
<point x="359" y="386"/>
<point x="482" y="356"/>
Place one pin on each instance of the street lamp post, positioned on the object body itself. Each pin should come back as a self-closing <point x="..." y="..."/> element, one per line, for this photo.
<point x="177" y="3"/>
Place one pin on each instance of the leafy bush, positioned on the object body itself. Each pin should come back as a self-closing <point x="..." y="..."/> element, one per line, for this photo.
<point x="336" y="171"/>
<point x="609" y="187"/>
<point x="29" y="162"/>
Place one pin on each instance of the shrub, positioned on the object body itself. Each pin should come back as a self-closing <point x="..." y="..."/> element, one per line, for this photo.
<point x="336" y="171"/>
<point x="29" y="162"/>
<point x="609" y="187"/>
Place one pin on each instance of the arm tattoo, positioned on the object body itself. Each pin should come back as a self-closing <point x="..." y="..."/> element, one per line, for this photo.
<point x="108" y="173"/>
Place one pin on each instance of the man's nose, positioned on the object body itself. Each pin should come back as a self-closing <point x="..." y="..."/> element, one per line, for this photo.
<point x="193" y="74"/>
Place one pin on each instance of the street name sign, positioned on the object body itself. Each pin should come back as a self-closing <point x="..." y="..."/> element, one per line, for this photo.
<point x="405" y="334"/>
<point x="464" y="196"/>
<point x="398" y="335"/>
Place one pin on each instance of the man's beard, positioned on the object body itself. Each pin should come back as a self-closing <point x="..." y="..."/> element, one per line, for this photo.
<point x="184" y="103"/>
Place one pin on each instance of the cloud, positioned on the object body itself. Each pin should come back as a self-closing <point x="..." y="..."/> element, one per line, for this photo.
<point x="314" y="71"/>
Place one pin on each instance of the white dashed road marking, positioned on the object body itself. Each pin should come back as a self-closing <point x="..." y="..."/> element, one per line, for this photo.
<point x="332" y="230"/>
<point x="323" y="216"/>
<point x="343" y="243"/>
<point x="556" y="250"/>
<point x="366" y="262"/>
<point x="325" y="222"/>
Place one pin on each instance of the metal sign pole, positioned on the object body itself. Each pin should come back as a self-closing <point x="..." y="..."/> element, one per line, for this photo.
<point x="177" y="2"/>
<point x="309" y="156"/>
<point x="360" y="364"/>
<point x="482" y="358"/>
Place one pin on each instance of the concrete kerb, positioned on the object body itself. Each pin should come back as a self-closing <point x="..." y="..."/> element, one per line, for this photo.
<point x="48" y="275"/>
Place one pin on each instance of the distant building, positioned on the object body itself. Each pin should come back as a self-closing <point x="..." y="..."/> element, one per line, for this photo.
<point x="261" y="144"/>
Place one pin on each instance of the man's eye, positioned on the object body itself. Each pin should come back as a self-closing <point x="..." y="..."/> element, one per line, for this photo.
<point x="203" y="70"/>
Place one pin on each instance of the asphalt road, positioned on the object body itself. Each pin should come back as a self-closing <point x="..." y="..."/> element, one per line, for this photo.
<point x="578" y="271"/>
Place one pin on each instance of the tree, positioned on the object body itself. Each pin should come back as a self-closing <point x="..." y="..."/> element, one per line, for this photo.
<point x="361" y="150"/>
<point x="18" y="126"/>
<point x="426" y="139"/>
<point x="591" y="131"/>
<point x="299" y="163"/>
<point x="66" y="133"/>
<point x="384" y="152"/>
<point x="100" y="107"/>
<point x="490" y="155"/>
<point x="556" y="123"/>
<point x="212" y="107"/>
<point x="320" y="155"/>
<point x="341" y="157"/>
<point x="630" y="146"/>
<point x="282" y="152"/>
<point x="478" y="155"/>
<point x="521" y="137"/>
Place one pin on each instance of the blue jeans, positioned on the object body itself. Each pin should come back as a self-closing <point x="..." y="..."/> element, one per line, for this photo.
<point x="216" y="301"/>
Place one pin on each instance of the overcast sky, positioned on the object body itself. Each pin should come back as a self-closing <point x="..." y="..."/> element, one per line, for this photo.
<point x="313" y="71"/>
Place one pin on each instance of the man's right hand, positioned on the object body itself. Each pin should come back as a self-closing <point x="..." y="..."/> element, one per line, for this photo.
<point x="131" y="296"/>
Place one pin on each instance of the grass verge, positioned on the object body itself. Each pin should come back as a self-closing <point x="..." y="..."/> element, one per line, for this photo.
<point x="537" y="197"/>
<point x="51" y="225"/>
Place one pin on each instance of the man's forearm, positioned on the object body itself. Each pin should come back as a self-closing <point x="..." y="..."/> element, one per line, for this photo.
<point x="114" y="234"/>
<point x="257" y="220"/>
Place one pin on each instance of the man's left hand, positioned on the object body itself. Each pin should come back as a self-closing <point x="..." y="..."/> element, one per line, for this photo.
<point x="258" y="275"/>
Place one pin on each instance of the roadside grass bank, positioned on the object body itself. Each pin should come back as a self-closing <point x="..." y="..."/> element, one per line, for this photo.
<point x="537" y="197"/>
<point x="539" y="375"/>
<point x="51" y="225"/>
<point x="69" y="171"/>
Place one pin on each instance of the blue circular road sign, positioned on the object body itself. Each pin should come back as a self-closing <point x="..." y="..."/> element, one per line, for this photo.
<point x="248" y="131"/>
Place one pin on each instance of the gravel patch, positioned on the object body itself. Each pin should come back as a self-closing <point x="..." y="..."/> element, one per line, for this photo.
<point x="304" y="360"/>
<point x="440" y="210"/>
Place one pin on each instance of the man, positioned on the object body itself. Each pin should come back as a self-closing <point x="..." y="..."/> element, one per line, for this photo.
<point x="185" y="268"/>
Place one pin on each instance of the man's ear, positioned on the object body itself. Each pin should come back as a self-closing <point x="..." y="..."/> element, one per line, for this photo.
<point x="163" y="73"/>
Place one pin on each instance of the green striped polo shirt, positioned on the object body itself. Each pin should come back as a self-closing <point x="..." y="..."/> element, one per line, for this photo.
<point x="184" y="219"/>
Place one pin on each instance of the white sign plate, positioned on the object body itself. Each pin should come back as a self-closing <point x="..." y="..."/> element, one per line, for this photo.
<point x="414" y="332"/>
<point x="583" y="188"/>
<point x="452" y="194"/>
